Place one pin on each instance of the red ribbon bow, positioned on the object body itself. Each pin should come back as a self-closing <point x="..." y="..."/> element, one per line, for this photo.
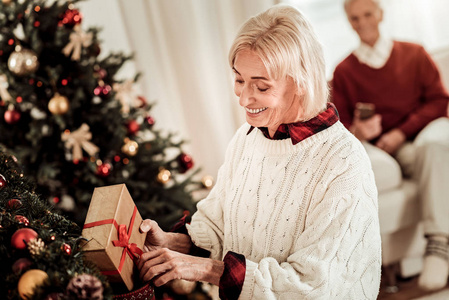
<point x="123" y="241"/>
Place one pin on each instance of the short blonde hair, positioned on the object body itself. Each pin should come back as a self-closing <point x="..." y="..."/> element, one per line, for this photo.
<point x="348" y="2"/>
<point x="286" y="43"/>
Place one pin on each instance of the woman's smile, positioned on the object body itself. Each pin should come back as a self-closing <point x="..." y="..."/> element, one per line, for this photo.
<point x="255" y="111"/>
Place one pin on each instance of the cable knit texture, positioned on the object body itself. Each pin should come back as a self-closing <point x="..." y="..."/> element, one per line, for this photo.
<point x="305" y="216"/>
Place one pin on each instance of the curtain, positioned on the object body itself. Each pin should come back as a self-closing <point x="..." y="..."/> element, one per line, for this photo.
<point x="181" y="49"/>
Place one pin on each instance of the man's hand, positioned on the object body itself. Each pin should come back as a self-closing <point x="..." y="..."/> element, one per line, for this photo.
<point x="163" y="265"/>
<point x="391" y="141"/>
<point x="366" y="130"/>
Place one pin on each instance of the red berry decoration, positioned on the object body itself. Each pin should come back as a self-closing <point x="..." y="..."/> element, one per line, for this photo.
<point x="71" y="17"/>
<point x="133" y="127"/>
<point x="104" y="169"/>
<point x="102" y="90"/>
<point x="22" y="220"/>
<point x="12" y="116"/>
<point x="150" y="120"/>
<point x="66" y="248"/>
<point x="14" y="204"/>
<point x="185" y="162"/>
<point x="2" y="181"/>
<point x="20" y="265"/>
<point x="22" y="236"/>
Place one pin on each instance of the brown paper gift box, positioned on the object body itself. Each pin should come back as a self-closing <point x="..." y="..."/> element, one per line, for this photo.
<point x="112" y="230"/>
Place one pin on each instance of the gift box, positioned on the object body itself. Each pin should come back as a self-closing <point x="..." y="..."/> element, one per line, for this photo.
<point x="114" y="240"/>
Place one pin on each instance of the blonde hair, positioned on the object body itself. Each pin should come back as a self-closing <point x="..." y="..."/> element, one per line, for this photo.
<point x="348" y="2"/>
<point x="286" y="43"/>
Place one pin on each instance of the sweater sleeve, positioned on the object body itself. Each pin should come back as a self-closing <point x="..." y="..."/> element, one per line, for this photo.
<point x="337" y="253"/>
<point x="434" y="96"/>
<point x="206" y="228"/>
<point x="340" y="99"/>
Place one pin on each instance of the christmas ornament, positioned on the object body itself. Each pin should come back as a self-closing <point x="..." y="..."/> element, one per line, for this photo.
<point x="21" y="265"/>
<point x="2" y="182"/>
<point x="4" y="94"/>
<point x="126" y="94"/>
<point x="163" y="176"/>
<point x="78" y="140"/>
<point x="58" y="105"/>
<point x="130" y="147"/>
<point x="6" y="2"/>
<point x="22" y="220"/>
<point x="150" y="120"/>
<point x="23" y="62"/>
<point x="104" y="169"/>
<point x="142" y="101"/>
<point x="133" y="127"/>
<point x="12" y="116"/>
<point x="207" y="181"/>
<point x="66" y="249"/>
<point x="29" y="281"/>
<point x="35" y="246"/>
<point x="102" y="90"/>
<point x="185" y="162"/>
<point x="78" y="40"/>
<point x="71" y="17"/>
<point x="66" y="203"/>
<point x="85" y="286"/>
<point x="14" y="203"/>
<point x="22" y="236"/>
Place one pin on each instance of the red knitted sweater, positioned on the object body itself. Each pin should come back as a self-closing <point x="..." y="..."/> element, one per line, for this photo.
<point x="407" y="90"/>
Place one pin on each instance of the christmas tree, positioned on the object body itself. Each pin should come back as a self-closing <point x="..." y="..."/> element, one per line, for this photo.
<point x="74" y="126"/>
<point x="39" y="249"/>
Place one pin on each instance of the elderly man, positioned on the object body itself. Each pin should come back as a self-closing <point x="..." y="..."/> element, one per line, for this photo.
<point x="400" y="82"/>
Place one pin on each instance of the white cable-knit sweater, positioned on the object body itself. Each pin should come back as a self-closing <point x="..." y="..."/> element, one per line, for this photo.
<point x="304" y="216"/>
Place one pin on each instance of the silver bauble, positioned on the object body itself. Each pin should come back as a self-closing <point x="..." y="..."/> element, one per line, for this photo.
<point x="23" y="62"/>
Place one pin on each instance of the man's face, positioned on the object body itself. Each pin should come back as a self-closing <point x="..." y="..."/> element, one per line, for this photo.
<point x="365" y="17"/>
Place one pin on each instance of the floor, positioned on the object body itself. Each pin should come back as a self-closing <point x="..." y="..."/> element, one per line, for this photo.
<point x="407" y="290"/>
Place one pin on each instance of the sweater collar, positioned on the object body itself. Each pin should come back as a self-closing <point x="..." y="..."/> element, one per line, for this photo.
<point x="299" y="131"/>
<point x="377" y="56"/>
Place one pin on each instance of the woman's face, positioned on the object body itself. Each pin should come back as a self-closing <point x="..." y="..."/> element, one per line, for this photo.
<point x="268" y="102"/>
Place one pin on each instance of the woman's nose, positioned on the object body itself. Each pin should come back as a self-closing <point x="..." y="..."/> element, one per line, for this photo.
<point x="246" y="96"/>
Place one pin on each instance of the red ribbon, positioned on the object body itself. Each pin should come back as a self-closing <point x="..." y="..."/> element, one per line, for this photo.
<point x="123" y="241"/>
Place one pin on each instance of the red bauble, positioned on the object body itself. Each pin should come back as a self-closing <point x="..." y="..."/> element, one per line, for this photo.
<point x="104" y="169"/>
<point x="22" y="236"/>
<point x="71" y="17"/>
<point x="2" y="181"/>
<point x="22" y="264"/>
<point x="185" y="162"/>
<point x="66" y="248"/>
<point x="133" y="127"/>
<point x="22" y="220"/>
<point x="14" y="204"/>
<point x="150" y="120"/>
<point x="102" y="90"/>
<point x="12" y="116"/>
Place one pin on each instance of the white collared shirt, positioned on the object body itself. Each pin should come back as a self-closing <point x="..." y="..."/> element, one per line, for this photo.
<point x="375" y="57"/>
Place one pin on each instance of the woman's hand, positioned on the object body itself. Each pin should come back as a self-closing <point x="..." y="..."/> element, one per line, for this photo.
<point x="163" y="265"/>
<point x="156" y="237"/>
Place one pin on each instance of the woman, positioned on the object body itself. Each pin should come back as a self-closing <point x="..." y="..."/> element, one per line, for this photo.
<point x="293" y="214"/>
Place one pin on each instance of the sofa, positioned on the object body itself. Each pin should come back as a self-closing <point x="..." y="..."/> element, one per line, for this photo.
<point x="403" y="244"/>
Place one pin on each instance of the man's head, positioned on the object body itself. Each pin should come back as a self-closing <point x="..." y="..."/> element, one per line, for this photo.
<point x="365" y="17"/>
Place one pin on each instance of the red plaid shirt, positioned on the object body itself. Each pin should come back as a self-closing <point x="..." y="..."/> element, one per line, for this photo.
<point x="231" y="282"/>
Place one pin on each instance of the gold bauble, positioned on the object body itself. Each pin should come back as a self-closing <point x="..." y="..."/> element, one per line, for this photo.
<point x="29" y="280"/>
<point x="207" y="181"/>
<point x="163" y="176"/>
<point x="58" y="105"/>
<point x="23" y="62"/>
<point x="130" y="147"/>
<point x="6" y="2"/>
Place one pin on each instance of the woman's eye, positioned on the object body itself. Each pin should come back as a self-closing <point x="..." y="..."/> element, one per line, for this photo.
<point x="239" y="81"/>
<point x="262" y="89"/>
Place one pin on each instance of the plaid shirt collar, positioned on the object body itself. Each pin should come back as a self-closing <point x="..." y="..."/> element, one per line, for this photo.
<point x="301" y="130"/>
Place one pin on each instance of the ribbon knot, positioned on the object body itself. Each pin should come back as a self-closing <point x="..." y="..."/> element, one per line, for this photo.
<point x="123" y="241"/>
<point x="78" y="140"/>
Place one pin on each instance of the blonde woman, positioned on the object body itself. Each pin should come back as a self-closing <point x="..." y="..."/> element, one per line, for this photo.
<point x="293" y="214"/>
